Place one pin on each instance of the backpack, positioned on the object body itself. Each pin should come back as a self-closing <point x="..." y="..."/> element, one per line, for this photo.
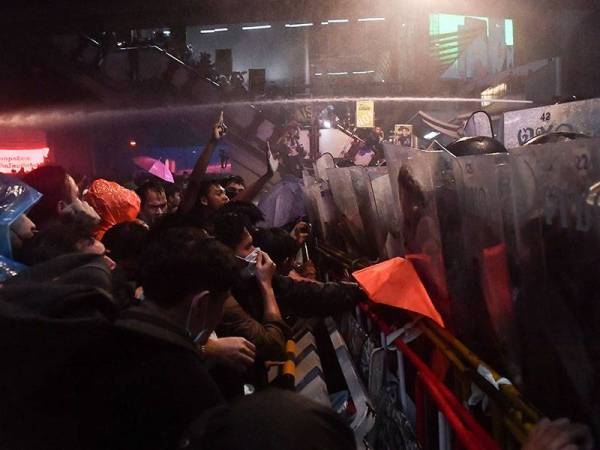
<point x="48" y="314"/>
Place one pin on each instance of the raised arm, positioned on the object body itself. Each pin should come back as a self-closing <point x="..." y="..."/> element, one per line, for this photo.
<point x="265" y="270"/>
<point x="252" y="191"/>
<point x="267" y="336"/>
<point x="190" y="195"/>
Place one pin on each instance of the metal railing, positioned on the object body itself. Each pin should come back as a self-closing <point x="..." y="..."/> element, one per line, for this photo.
<point x="467" y="430"/>
<point x="512" y="416"/>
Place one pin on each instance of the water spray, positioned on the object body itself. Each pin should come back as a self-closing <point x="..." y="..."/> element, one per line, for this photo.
<point x="50" y="118"/>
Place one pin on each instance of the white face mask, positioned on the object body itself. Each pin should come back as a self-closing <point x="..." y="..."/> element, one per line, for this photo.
<point x="250" y="270"/>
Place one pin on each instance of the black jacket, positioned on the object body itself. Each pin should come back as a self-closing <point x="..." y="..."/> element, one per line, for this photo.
<point x="142" y="386"/>
<point x="268" y="336"/>
<point x="48" y="314"/>
<point x="73" y="377"/>
<point x="310" y="299"/>
<point x="244" y="315"/>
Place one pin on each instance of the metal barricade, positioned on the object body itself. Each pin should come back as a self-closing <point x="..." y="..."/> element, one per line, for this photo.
<point x="512" y="416"/>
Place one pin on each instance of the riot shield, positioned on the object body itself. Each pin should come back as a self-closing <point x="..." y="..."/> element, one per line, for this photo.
<point x="475" y="251"/>
<point x="413" y="175"/>
<point x="319" y="205"/>
<point x="310" y="202"/>
<point x="550" y="186"/>
<point x="388" y="228"/>
<point x="352" y="201"/>
<point x="520" y="126"/>
<point x="363" y="203"/>
<point x="373" y="234"/>
<point x="556" y="266"/>
<point x="395" y="155"/>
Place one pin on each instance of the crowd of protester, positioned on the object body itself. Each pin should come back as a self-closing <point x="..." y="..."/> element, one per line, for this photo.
<point x="148" y="312"/>
<point x="137" y="319"/>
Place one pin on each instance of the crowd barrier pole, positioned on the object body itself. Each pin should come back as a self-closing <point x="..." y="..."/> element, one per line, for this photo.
<point x="514" y="396"/>
<point x="288" y="372"/>
<point x="510" y="411"/>
<point x="466" y="428"/>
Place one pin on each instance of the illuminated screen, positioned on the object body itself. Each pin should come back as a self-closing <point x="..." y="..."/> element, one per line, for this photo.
<point x="471" y="46"/>
<point x="450" y="23"/>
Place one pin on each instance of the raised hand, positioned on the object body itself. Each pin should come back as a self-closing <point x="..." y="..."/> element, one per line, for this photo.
<point x="272" y="162"/>
<point x="265" y="268"/>
<point x="300" y="232"/>
<point x="219" y="128"/>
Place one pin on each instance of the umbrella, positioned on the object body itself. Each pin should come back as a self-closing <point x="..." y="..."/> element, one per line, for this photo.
<point x="155" y="167"/>
<point x="395" y="283"/>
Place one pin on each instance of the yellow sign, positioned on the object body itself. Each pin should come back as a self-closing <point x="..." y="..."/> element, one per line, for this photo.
<point x="365" y="114"/>
<point x="303" y="114"/>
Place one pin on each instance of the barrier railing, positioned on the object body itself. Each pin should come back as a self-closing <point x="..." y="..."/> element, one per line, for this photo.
<point x="468" y="431"/>
<point x="512" y="416"/>
<point x="283" y="373"/>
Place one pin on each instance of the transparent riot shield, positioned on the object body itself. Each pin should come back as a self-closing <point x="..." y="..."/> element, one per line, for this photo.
<point x="320" y="207"/>
<point x="552" y="190"/>
<point x="351" y="209"/>
<point x="388" y="228"/>
<point x="556" y="268"/>
<point x="310" y="202"/>
<point x="364" y="224"/>
<point x="476" y="255"/>
<point x="387" y="196"/>
<point x="413" y="175"/>
<point x="373" y="231"/>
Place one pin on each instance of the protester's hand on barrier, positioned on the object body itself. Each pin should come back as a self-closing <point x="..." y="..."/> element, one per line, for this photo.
<point x="235" y="352"/>
<point x="219" y="129"/>
<point x="560" y="434"/>
<point x="304" y="272"/>
<point x="265" y="268"/>
<point x="82" y="212"/>
<point x="300" y="232"/>
<point x="294" y="275"/>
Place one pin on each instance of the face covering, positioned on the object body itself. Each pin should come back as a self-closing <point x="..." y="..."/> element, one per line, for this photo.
<point x="250" y="270"/>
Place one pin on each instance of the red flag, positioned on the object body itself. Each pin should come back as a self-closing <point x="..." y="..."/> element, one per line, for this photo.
<point x="395" y="283"/>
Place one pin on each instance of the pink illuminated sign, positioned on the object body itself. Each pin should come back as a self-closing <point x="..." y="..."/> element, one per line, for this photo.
<point x="13" y="160"/>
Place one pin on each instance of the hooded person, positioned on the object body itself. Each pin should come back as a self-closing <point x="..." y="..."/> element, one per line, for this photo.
<point x="113" y="203"/>
<point x="16" y="198"/>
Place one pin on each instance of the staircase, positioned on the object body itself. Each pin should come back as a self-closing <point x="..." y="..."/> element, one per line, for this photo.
<point x="147" y="75"/>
